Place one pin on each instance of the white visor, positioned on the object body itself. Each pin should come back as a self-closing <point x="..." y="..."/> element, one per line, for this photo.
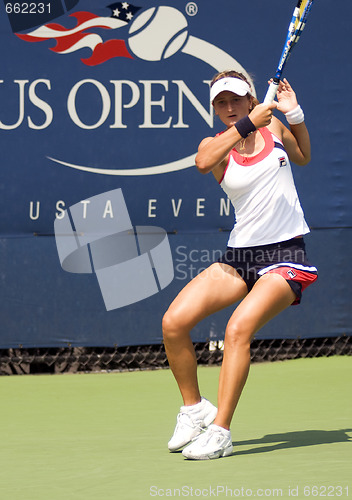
<point x="230" y="84"/>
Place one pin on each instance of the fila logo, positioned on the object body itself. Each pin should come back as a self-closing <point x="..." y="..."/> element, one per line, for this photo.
<point x="291" y="273"/>
<point x="282" y="161"/>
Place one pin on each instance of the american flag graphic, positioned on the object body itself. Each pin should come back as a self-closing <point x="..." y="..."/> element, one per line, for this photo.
<point x="84" y="34"/>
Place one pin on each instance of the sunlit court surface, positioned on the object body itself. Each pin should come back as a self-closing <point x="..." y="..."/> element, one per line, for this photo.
<point x="104" y="436"/>
<point x="110" y="113"/>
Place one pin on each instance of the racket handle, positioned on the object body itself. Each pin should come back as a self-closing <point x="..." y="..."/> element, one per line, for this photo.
<point x="271" y="93"/>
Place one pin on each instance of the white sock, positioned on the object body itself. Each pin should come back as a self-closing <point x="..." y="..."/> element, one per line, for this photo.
<point x="187" y="408"/>
<point x="227" y="432"/>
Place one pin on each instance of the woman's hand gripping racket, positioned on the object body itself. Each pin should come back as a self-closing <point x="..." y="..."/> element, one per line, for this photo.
<point x="298" y="22"/>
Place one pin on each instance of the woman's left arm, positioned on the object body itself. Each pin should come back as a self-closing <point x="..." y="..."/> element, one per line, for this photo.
<point x="296" y="140"/>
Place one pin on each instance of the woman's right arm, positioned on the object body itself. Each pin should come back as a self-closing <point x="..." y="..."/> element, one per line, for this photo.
<point x="214" y="151"/>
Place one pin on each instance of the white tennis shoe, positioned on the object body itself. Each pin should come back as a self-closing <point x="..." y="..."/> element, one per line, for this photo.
<point x="215" y="442"/>
<point x="191" y="421"/>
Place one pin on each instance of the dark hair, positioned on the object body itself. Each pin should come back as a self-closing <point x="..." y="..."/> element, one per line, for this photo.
<point x="234" y="74"/>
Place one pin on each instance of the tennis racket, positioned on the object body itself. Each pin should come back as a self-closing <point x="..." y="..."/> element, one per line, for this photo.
<point x="297" y="24"/>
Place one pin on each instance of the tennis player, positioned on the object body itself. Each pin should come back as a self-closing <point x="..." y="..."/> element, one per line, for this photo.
<point x="265" y="266"/>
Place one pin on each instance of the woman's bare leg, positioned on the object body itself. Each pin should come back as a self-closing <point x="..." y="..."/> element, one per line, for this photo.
<point x="215" y="288"/>
<point x="270" y="295"/>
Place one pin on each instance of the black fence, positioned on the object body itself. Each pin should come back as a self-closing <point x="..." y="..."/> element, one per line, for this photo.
<point x="152" y="357"/>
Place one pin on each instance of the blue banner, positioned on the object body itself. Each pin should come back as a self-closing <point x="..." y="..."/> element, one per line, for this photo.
<point x="103" y="106"/>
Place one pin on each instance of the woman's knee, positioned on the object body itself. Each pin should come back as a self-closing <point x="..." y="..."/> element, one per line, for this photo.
<point x="173" y="324"/>
<point x="167" y="324"/>
<point x="238" y="334"/>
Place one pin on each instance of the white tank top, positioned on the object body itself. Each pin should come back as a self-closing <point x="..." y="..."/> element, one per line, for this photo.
<point x="262" y="191"/>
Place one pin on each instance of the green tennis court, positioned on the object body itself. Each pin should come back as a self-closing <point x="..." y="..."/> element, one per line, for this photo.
<point x="104" y="436"/>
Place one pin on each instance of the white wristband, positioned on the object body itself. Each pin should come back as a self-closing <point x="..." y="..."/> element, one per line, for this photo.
<point x="295" y="116"/>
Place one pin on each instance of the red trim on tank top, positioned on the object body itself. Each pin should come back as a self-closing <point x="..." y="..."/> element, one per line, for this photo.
<point x="247" y="161"/>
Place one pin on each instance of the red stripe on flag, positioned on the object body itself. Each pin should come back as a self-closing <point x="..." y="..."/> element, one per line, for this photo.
<point x="28" y="38"/>
<point x="67" y="42"/>
<point x="56" y="27"/>
<point x="82" y="17"/>
<point x="108" y="50"/>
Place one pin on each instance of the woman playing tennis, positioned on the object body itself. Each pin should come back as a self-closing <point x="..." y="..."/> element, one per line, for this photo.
<point x="264" y="268"/>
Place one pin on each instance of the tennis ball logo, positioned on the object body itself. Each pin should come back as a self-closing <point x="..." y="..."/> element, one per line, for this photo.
<point x="158" y="33"/>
